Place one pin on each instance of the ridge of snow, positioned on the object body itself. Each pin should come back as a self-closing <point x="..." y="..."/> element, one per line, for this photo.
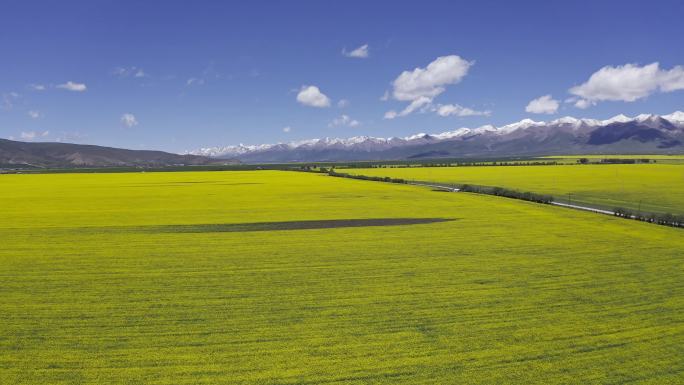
<point x="675" y="117"/>
<point x="367" y="142"/>
<point x="616" y="119"/>
<point x="523" y="124"/>
<point x="565" y="120"/>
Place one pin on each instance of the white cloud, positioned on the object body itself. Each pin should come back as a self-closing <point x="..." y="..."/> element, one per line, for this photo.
<point x="422" y="85"/>
<point x="34" y="114"/>
<point x="31" y="135"/>
<point x="71" y="86"/>
<point x="37" y="87"/>
<point x="543" y="105"/>
<point x="627" y="83"/>
<point x="431" y="80"/>
<point x="342" y="103"/>
<point x="129" y="120"/>
<point x="344" y="120"/>
<point x="583" y="103"/>
<point x="457" y="110"/>
<point x="313" y="97"/>
<point x="287" y="129"/>
<point x="361" y="52"/>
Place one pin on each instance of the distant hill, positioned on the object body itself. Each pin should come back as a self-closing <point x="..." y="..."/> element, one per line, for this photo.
<point x="15" y="154"/>
<point x="643" y="134"/>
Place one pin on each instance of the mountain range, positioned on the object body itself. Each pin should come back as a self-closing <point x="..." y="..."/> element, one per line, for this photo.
<point x="643" y="134"/>
<point x="15" y="154"/>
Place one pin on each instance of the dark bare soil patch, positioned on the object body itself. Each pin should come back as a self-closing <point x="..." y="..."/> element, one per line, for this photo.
<point x="290" y="225"/>
<point x="179" y="184"/>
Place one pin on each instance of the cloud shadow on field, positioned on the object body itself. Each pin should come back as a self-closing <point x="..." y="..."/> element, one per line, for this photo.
<point x="180" y="184"/>
<point x="289" y="225"/>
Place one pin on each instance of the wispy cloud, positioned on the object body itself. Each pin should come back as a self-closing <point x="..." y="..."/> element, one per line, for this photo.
<point x="361" y="52"/>
<point x="194" y="82"/>
<point x="125" y="72"/>
<point x="422" y="103"/>
<point x="70" y="137"/>
<point x="209" y="73"/>
<point x="129" y="120"/>
<point x="32" y="135"/>
<point x="344" y="120"/>
<point x="9" y="100"/>
<point x="72" y="86"/>
<point x="457" y="110"/>
<point x="37" y="87"/>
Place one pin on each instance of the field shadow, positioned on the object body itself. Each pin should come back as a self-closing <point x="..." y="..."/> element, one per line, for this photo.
<point x="179" y="184"/>
<point x="289" y="225"/>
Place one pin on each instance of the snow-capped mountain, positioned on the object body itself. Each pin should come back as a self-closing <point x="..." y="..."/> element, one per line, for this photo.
<point x="645" y="133"/>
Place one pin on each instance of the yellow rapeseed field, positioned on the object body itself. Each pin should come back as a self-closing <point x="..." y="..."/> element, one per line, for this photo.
<point x="271" y="277"/>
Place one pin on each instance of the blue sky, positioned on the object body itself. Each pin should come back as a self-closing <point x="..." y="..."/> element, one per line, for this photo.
<point x="177" y="75"/>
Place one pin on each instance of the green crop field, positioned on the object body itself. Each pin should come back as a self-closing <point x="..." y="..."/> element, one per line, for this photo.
<point x="657" y="188"/>
<point x="274" y="277"/>
<point x="572" y="159"/>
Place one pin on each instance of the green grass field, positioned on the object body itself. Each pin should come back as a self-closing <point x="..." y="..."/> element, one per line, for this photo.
<point x="657" y="188"/>
<point x="277" y="278"/>
<point x="624" y="156"/>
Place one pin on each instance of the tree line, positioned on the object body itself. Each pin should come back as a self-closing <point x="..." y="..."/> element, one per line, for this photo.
<point x="508" y="193"/>
<point x="615" y="161"/>
<point x="665" y="219"/>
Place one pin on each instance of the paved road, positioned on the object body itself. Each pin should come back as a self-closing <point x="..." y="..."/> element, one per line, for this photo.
<point x="437" y="186"/>
<point x="585" y="208"/>
<point x="570" y="206"/>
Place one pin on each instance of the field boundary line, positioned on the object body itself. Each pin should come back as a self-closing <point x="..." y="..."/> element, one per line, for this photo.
<point x="666" y="219"/>
<point x="554" y="203"/>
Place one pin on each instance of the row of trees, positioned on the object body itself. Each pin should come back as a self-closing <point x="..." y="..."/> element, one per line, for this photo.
<point x="625" y="161"/>
<point x="666" y="219"/>
<point x="460" y="164"/>
<point x="615" y="161"/>
<point x="363" y="177"/>
<point x="508" y="193"/>
<point x="390" y="164"/>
